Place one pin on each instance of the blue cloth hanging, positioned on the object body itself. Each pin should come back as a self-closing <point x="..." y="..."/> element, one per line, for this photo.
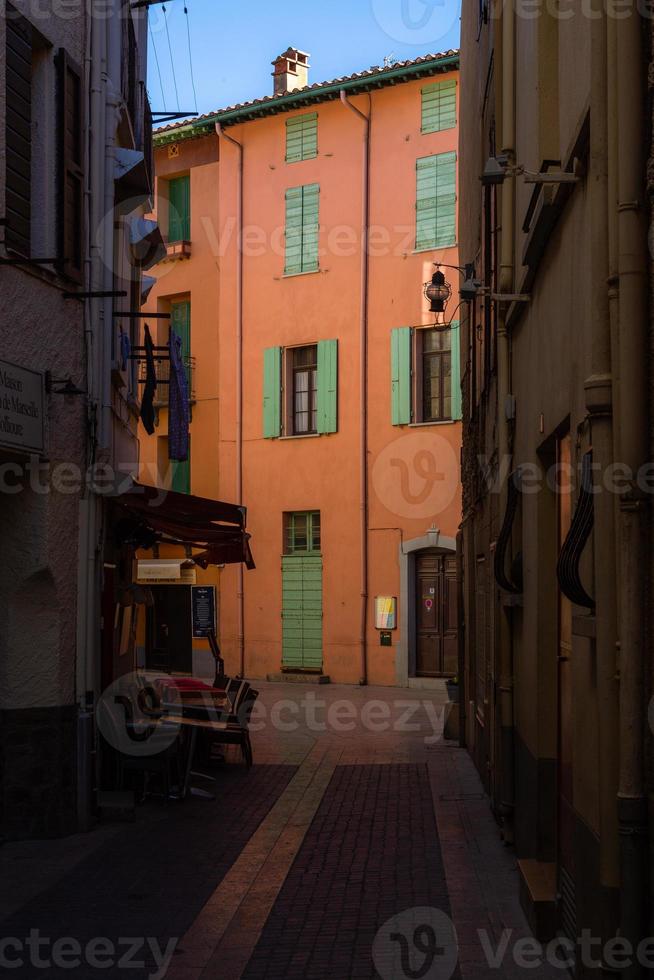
<point x="179" y="414"/>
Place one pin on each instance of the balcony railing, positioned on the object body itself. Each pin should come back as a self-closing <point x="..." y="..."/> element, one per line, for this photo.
<point x="162" y="394"/>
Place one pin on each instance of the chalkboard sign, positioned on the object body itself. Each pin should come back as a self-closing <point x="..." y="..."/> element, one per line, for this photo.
<point x="204" y="610"/>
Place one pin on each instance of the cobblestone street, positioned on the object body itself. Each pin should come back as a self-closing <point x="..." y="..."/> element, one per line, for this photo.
<point x="356" y="811"/>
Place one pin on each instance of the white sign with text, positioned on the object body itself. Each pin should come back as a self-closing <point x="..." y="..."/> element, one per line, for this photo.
<point x="21" y="408"/>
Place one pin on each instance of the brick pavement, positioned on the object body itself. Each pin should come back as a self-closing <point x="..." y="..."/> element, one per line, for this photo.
<point x="297" y="864"/>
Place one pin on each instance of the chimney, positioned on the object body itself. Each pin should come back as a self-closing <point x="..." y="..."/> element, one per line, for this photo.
<point x="291" y="71"/>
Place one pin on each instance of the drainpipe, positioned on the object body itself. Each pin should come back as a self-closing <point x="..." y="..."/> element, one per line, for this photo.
<point x="240" y="588"/>
<point x="633" y="312"/>
<point x="506" y="285"/>
<point x="363" y="382"/>
<point x="599" y="404"/>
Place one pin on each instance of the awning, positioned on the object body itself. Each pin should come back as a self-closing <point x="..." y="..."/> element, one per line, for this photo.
<point x="130" y="175"/>
<point x="217" y="529"/>
<point x="146" y="242"/>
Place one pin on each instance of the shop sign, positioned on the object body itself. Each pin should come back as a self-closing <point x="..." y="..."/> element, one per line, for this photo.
<point x="21" y="409"/>
<point x="204" y="611"/>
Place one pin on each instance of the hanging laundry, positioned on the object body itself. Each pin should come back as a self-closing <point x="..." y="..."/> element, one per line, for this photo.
<point x="125" y="350"/>
<point x="179" y="415"/>
<point x="147" y="402"/>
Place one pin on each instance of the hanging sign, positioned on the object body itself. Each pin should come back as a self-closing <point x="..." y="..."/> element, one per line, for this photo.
<point x="21" y="409"/>
<point x="204" y="611"/>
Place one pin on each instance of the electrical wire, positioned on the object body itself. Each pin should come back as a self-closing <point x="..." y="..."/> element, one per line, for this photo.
<point x="170" y="51"/>
<point x="190" y="55"/>
<point x="156" y="58"/>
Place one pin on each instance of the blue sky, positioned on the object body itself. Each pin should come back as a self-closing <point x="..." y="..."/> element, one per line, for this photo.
<point x="233" y="42"/>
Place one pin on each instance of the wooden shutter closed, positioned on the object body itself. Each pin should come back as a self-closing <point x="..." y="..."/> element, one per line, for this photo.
<point x="179" y="209"/>
<point x="439" y="107"/>
<point x="401" y="375"/>
<point x="18" y="173"/>
<point x="272" y="393"/>
<point x="436" y="201"/>
<point x="71" y="168"/>
<point x="181" y="475"/>
<point x="302" y="229"/>
<point x="457" y="398"/>
<point x="302" y="138"/>
<point x="327" y="386"/>
<point x="180" y="322"/>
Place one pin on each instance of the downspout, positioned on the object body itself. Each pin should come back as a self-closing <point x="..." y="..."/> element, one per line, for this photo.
<point x="599" y="404"/>
<point x="506" y="285"/>
<point x="363" y="381"/>
<point x="633" y="445"/>
<point x="240" y="588"/>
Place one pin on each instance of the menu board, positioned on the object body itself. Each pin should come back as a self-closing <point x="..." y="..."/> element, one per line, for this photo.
<point x="204" y="610"/>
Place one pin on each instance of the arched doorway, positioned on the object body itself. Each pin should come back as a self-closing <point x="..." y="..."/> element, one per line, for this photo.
<point x="428" y="647"/>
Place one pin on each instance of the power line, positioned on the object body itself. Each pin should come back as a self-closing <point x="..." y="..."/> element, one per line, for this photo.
<point x="156" y="58"/>
<point x="170" y="51"/>
<point x="190" y="55"/>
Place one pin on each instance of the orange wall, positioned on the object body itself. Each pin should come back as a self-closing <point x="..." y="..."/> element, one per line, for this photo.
<point x="313" y="473"/>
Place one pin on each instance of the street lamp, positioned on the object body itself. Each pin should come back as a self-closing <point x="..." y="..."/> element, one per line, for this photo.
<point x="438" y="291"/>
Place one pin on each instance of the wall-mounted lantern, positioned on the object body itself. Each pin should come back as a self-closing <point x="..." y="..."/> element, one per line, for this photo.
<point x="438" y="291"/>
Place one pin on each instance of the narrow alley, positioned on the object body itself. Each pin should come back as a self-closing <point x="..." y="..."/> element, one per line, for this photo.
<point x="358" y="823"/>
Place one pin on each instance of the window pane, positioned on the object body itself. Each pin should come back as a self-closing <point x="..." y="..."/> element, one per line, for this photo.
<point x="432" y="387"/>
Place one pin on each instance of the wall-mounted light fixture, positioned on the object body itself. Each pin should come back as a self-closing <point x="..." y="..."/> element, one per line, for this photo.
<point x="497" y="170"/>
<point x="61" y="386"/>
<point x="438" y="291"/>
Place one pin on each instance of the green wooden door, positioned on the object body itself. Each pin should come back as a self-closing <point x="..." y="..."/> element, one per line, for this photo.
<point x="302" y="612"/>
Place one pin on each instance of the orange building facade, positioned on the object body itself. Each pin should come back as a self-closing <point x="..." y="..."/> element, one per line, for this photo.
<point x="326" y="391"/>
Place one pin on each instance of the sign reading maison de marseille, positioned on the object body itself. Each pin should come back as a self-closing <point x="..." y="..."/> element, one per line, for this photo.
<point x="21" y="408"/>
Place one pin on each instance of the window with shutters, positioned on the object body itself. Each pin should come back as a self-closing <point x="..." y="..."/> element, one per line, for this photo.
<point x="302" y="533"/>
<point x="426" y="375"/>
<point x="302" y="138"/>
<point x="179" y="209"/>
<point x="302" y="229"/>
<point x="439" y="107"/>
<point x="304" y="379"/>
<point x="300" y="395"/>
<point x="436" y="201"/>
<point x="172" y="474"/>
<point x="71" y="167"/>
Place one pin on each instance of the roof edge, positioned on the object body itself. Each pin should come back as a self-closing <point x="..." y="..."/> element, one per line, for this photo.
<point x="309" y="96"/>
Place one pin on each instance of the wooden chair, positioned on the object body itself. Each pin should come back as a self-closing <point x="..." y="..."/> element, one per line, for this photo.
<point x="237" y="729"/>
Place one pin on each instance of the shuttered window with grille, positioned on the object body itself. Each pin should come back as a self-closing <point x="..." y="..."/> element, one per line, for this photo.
<point x="439" y="107"/>
<point x="18" y="173"/>
<point x="302" y="138"/>
<point x="302" y="229"/>
<point x="436" y="201"/>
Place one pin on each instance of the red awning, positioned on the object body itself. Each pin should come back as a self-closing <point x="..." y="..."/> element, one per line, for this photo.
<point x="216" y="528"/>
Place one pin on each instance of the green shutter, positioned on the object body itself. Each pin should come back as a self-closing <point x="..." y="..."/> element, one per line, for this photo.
<point x="302" y="138"/>
<point x="272" y="393"/>
<point x="401" y="375"/>
<point x="436" y="201"/>
<point x="302" y="229"/>
<point x="181" y="477"/>
<point x="180" y="322"/>
<point x="327" y="386"/>
<point x="179" y="209"/>
<point x="457" y="398"/>
<point x="439" y="107"/>
<point x="302" y="613"/>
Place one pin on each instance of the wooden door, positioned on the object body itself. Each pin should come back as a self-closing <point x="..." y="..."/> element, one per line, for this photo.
<point x="170" y="630"/>
<point x="302" y="613"/>
<point x="436" y="615"/>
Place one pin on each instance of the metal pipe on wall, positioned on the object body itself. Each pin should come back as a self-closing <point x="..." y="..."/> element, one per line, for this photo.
<point x="363" y="383"/>
<point x="240" y="588"/>
<point x="629" y="79"/>
<point x="506" y="285"/>
<point x="599" y="403"/>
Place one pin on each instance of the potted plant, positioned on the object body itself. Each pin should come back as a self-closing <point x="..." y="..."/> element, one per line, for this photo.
<point x="452" y="685"/>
